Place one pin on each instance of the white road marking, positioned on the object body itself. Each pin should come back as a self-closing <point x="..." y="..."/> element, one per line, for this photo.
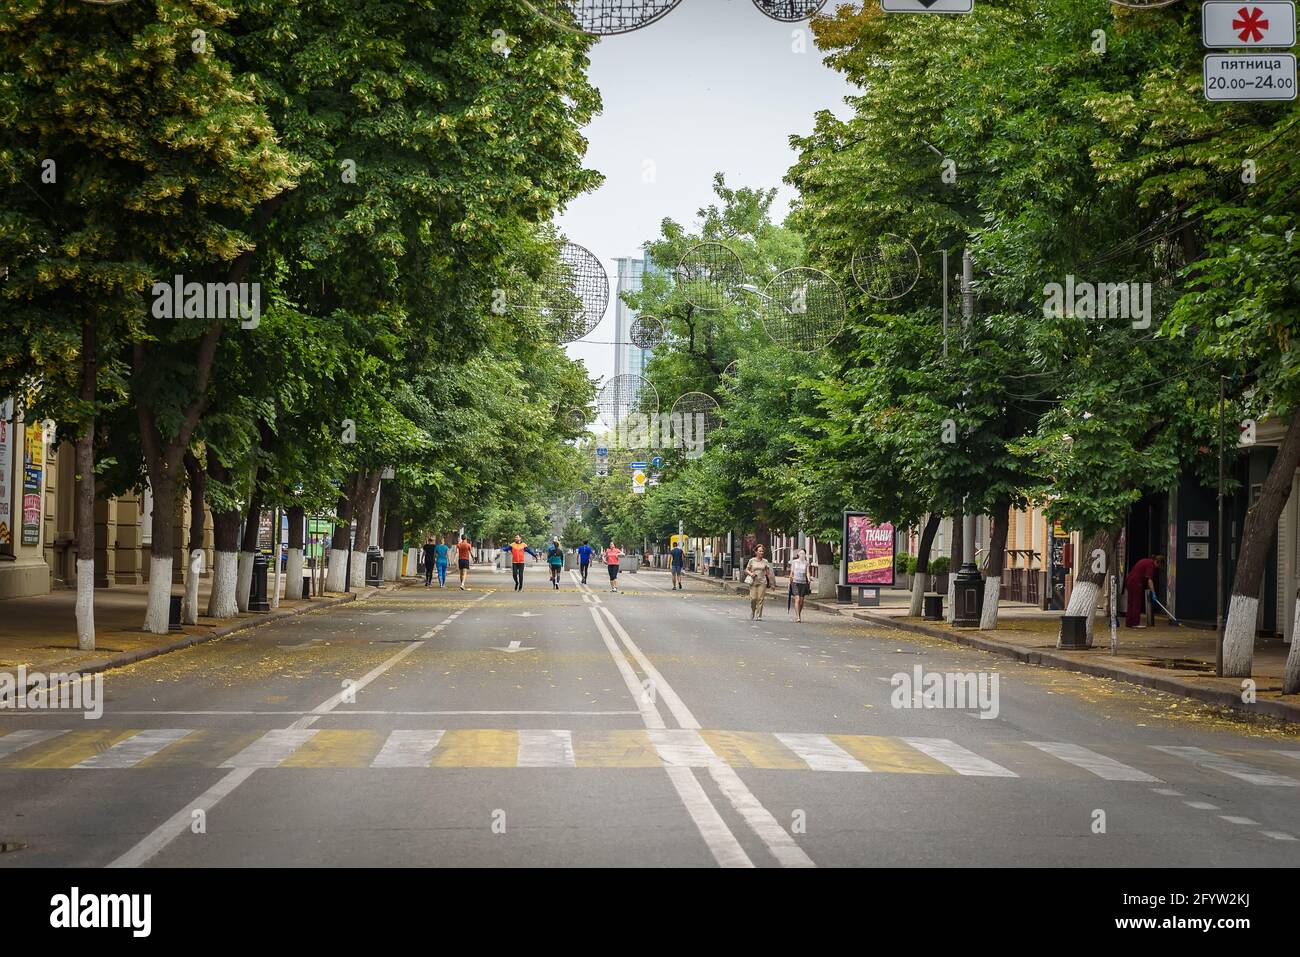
<point x="1278" y="835"/>
<point x="759" y="818"/>
<point x="1233" y="819"/>
<point x="683" y="748"/>
<point x="1229" y="766"/>
<point x="131" y="751"/>
<point x="1168" y="792"/>
<point x="1091" y="761"/>
<point x="351" y="712"/>
<point x="649" y="712"/>
<point x="959" y="759"/>
<point x="1202" y="805"/>
<point x="680" y="712"/>
<point x="821" y="753"/>
<point x="407" y="749"/>
<point x="17" y="740"/>
<point x="721" y="842"/>
<point x="546" y="749"/>
<point x="271" y="748"/>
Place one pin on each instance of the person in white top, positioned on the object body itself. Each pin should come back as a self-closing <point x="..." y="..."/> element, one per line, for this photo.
<point x="799" y="583"/>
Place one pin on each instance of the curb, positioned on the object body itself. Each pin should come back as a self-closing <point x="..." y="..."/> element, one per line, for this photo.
<point x="125" y="658"/>
<point x="1132" y="674"/>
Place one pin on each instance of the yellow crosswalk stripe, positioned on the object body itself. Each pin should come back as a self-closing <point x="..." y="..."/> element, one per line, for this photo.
<point x="65" y="750"/>
<point x="477" y="749"/>
<point x="337" y="749"/>
<point x="614" y="749"/>
<point x="204" y="748"/>
<point x="752" y="749"/>
<point x="889" y="754"/>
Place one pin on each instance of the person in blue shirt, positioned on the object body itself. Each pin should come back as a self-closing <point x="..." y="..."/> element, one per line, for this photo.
<point x="440" y="556"/>
<point x="584" y="558"/>
<point x="679" y="557"/>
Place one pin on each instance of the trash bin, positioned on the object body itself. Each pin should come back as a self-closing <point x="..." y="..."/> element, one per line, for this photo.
<point x="257" y="591"/>
<point x="932" y="608"/>
<point x="1074" y="633"/>
<point x="374" y="566"/>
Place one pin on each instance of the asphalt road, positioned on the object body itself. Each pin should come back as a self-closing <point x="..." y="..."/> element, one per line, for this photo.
<point x="577" y="727"/>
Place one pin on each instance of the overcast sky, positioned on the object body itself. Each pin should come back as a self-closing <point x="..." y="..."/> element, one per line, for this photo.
<point x="715" y="86"/>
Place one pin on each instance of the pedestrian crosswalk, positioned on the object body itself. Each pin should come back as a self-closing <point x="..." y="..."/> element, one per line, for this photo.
<point x="625" y="748"/>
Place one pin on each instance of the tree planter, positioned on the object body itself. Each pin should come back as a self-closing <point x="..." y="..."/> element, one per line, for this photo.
<point x="939" y="584"/>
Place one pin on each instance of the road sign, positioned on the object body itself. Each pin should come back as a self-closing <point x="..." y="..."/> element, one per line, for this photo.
<point x="927" y="6"/>
<point x="1249" y="77"/>
<point x="657" y="461"/>
<point x="639" y="465"/>
<point x="638" y="482"/>
<point x="602" y="470"/>
<point x="601" y="452"/>
<point x="1232" y="23"/>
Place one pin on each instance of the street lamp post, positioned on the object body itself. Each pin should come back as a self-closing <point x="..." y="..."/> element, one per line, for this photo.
<point x="968" y="587"/>
<point x="1218" y="574"/>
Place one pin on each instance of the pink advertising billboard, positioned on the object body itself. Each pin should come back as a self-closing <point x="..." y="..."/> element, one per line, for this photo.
<point x="870" y="550"/>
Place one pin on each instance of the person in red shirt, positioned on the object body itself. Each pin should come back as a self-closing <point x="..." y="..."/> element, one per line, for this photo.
<point x="518" y="550"/>
<point x="463" y="550"/>
<point x="1140" y="578"/>
<point x="612" y="555"/>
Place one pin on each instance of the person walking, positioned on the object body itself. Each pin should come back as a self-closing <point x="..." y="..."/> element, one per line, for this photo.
<point x="799" y="584"/>
<point x="759" y="577"/>
<point x="440" y="555"/>
<point x="463" y="551"/>
<point x="518" y="550"/>
<point x="429" y="552"/>
<point x="679" y="559"/>
<point x="1140" y="578"/>
<point x="555" y="558"/>
<point x="612" y="555"/>
<point x="584" y="558"/>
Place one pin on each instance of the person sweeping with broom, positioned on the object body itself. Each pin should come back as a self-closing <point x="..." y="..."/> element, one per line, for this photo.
<point x="1140" y="578"/>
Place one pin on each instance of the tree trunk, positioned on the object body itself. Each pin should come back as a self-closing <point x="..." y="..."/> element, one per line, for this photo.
<point x="1291" y="676"/>
<point x="194" y="568"/>
<point x="248" y="545"/>
<point x="164" y="486"/>
<point x="394" y="534"/>
<point x="954" y="561"/>
<point x="923" y="564"/>
<point x="1087" y="584"/>
<point x="225" y="545"/>
<point x="86" y="493"/>
<point x="337" y="572"/>
<point x="364" y="510"/>
<point x="1256" y="543"/>
<point x="996" y="562"/>
<point x="293" y="565"/>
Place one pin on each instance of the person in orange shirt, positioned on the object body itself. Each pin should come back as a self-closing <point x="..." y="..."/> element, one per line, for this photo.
<point x="518" y="550"/>
<point x="463" y="550"/>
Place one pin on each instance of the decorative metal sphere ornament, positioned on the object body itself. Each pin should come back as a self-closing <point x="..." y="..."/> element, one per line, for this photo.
<point x="647" y="332"/>
<point x="577" y="418"/>
<point x="803" y="309"/>
<point x="707" y="275"/>
<point x="789" y="11"/>
<point x="889" y="270"/>
<point x="570" y="297"/>
<point x="1143" y="4"/>
<point x="624" y="394"/>
<point x="700" y="403"/>
<point x="602" y="18"/>
<point x="731" y="374"/>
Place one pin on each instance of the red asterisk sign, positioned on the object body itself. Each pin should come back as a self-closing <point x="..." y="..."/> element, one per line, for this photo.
<point x="1251" y="26"/>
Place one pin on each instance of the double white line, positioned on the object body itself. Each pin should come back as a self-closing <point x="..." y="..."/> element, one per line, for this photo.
<point x="691" y="750"/>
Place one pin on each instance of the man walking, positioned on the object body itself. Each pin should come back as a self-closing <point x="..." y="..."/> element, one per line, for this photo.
<point x="679" y="558"/>
<point x="584" y="559"/>
<point x="1142" y="577"/>
<point x="430" y="554"/>
<point x="463" y="550"/>
<point x="518" y="550"/>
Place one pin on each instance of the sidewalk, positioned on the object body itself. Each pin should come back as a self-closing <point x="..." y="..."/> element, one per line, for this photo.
<point x="41" y="632"/>
<point x="1177" y="660"/>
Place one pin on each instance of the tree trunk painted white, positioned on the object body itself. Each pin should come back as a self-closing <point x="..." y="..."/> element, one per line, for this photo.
<point x="293" y="574"/>
<point x="221" y="603"/>
<point x="1239" y="636"/>
<point x="1083" y="601"/>
<point x="992" y="592"/>
<point x="918" y="595"/>
<point x="86" y="604"/>
<point x="244" y="580"/>
<point x="1291" y="675"/>
<point x="336" y="574"/>
<point x="392" y="565"/>
<point x="190" y="605"/>
<point x="160" y="592"/>
<point x="358" y="569"/>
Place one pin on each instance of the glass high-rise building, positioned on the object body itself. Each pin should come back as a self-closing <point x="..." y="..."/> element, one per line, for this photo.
<point x="628" y="356"/>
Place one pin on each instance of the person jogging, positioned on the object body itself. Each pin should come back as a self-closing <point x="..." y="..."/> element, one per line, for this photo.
<point x="679" y="559"/>
<point x="584" y="558"/>
<point x="440" y="556"/>
<point x="429" y="552"/>
<point x="463" y="550"/>
<point x="1142" y="577"/>
<point x="612" y="555"/>
<point x="518" y="550"/>
<point x="555" y="559"/>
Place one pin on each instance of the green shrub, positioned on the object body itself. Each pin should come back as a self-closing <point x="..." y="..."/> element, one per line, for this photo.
<point x="939" y="566"/>
<point x="900" y="562"/>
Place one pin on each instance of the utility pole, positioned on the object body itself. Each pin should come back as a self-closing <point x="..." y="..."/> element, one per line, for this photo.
<point x="1218" y="573"/>
<point x="968" y="591"/>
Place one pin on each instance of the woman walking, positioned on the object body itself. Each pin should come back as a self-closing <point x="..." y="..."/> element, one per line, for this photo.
<point x="612" y="555"/>
<point x="759" y="577"/>
<point x="799" y="583"/>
